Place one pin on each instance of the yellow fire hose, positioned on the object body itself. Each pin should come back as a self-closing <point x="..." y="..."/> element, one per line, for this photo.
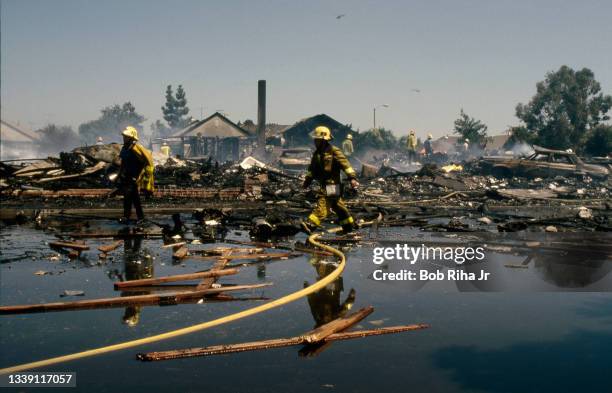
<point x="201" y="326"/>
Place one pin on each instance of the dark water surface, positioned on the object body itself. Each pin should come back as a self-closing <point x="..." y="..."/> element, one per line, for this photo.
<point x="515" y="341"/>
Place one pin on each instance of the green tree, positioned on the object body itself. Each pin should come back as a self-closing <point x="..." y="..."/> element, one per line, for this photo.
<point x="54" y="139"/>
<point x="181" y="108"/>
<point x="111" y="122"/>
<point x="472" y="129"/>
<point x="567" y="104"/>
<point x="599" y="141"/>
<point x="381" y="139"/>
<point x="169" y="109"/>
<point x="175" y="110"/>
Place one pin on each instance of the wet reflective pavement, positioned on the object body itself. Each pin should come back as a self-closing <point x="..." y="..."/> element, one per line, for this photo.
<point x="542" y="336"/>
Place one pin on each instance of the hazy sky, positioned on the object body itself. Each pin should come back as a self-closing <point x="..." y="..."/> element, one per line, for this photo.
<point x="62" y="61"/>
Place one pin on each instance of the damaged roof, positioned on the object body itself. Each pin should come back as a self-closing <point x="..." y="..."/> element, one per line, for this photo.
<point x="11" y="133"/>
<point x="497" y="142"/>
<point x="216" y="125"/>
<point x="300" y="132"/>
<point x="272" y="129"/>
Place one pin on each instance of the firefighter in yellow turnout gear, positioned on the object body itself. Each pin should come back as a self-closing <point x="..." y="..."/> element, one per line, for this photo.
<point x="325" y="167"/>
<point x="135" y="173"/>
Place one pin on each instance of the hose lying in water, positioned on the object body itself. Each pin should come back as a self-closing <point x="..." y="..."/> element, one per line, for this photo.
<point x="201" y="326"/>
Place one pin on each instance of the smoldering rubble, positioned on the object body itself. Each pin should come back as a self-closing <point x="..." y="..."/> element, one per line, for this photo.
<point x="483" y="194"/>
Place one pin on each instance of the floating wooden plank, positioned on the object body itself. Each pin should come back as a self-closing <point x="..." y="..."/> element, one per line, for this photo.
<point x="174" y="278"/>
<point x="173" y="245"/>
<point x="181" y="253"/>
<point x="110" y="247"/>
<point x="74" y="246"/>
<point x="337" y="325"/>
<point x="246" y="256"/>
<point x="165" y="299"/>
<point x="161" y="288"/>
<point x="222" y="251"/>
<point x="268" y="344"/>
<point x="208" y="282"/>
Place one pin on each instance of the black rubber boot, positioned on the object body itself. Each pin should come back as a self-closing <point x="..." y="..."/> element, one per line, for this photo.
<point x="306" y="228"/>
<point x="347" y="228"/>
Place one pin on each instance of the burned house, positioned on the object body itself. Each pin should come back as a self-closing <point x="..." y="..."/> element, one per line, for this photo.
<point x="496" y="144"/>
<point x="450" y="143"/>
<point x="274" y="132"/>
<point x="215" y="137"/>
<point x="300" y="134"/>
<point x="16" y="142"/>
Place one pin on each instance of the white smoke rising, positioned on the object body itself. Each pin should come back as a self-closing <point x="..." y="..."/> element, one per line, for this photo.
<point x="9" y="151"/>
<point x="522" y="149"/>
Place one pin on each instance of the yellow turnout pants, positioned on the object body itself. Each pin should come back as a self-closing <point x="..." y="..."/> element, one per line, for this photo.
<point x="325" y="205"/>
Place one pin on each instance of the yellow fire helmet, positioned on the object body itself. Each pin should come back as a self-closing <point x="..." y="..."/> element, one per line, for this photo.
<point x="349" y="136"/>
<point x="130" y="132"/>
<point x="322" y="132"/>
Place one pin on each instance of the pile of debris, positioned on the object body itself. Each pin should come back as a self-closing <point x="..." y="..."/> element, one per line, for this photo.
<point x="87" y="172"/>
<point x="466" y="193"/>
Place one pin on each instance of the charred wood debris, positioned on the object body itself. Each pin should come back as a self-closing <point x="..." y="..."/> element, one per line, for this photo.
<point x="447" y="197"/>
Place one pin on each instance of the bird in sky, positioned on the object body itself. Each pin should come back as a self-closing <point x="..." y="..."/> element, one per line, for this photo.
<point x="340" y="16"/>
<point x="416" y="90"/>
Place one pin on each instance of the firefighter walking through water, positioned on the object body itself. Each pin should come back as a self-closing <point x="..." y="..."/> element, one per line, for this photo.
<point x="325" y="166"/>
<point x="136" y="173"/>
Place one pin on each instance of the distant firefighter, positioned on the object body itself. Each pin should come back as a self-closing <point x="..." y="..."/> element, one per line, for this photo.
<point x="412" y="145"/>
<point x="165" y="149"/>
<point x="347" y="146"/>
<point x="428" y="146"/>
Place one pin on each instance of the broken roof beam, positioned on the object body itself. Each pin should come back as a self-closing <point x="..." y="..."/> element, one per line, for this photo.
<point x="175" y="278"/>
<point x="264" y="256"/>
<point x="275" y="343"/>
<point x="170" y="298"/>
<point x="74" y="246"/>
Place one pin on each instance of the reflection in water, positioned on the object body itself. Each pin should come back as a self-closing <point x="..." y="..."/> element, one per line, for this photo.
<point x="325" y="304"/>
<point x="574" y="269"/>
<point x="178" y="228"/>
<point x="580" y="362"/>
<point x="138" y="264"/>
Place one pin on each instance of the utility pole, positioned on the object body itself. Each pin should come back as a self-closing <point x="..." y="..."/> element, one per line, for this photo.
<point x="374" y="111"/>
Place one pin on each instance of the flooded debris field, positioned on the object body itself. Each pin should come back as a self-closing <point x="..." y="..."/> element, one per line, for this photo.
<point x="550" y="297"/>
<point x="220" y="240"/>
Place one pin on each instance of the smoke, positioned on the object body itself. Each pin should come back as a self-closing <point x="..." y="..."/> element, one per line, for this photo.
<point x="54" y="139"/>
<point x="521" y="149"/>
<point x="444" y="146"/>
<point x="373" y="155"/>
<point x="15" y="151"/>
